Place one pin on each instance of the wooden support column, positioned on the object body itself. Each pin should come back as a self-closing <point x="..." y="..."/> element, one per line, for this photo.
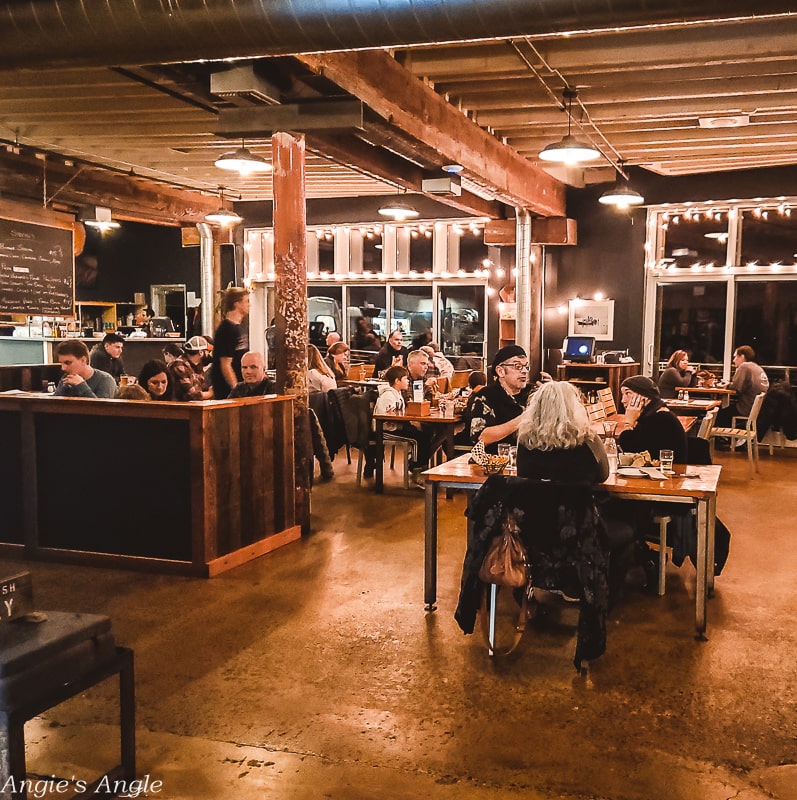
<point x="290" y="281"/>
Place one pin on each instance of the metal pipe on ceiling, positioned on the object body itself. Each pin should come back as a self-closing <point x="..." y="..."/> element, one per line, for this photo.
<point x="53" y="33"/>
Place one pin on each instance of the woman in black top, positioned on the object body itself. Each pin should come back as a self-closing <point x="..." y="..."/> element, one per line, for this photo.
<point x="649" y="424"/>
<point x="677" y="375"/>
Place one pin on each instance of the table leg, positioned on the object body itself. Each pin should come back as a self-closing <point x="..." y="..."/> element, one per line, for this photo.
<point x="430" y="547"/>
<point x="701" y="569"/>
<point x="710" y="558"/>
<point x="379" y="467"/>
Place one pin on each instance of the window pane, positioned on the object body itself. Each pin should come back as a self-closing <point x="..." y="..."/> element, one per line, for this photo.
<point x="412" y="311"/>
<point x="472" y="249"/>
<point x="692" y="318"/>
<point x="697" y="238"/>
<point x="462" y="319"/>
<point x="769" y="236"/>
<point x="369" y="302"/>
<point x="421" y="248"/>
<point x="323" y="312"/>
<point x="766" y="319"/>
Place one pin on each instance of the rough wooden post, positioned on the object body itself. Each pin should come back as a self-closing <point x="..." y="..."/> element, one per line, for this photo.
<point x="290" y="270"/>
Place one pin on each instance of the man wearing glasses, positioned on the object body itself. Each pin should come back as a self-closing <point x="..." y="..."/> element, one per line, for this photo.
<point x="498" y="406"/>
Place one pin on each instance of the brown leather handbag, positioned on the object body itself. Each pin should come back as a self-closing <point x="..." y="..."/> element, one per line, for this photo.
<point x="505" y="561"/>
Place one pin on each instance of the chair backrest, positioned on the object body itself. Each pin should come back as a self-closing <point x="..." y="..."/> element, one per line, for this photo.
<point x="459" y="380"/>
<point x="338" y="398"/>
<point x="707" y="424"/>
<point x="607" y="398"/>
<point x="442" y="384"/>
<point x="753" y="416"/>
<point x="596" y="412"/>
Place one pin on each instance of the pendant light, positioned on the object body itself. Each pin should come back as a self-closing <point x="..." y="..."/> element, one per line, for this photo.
<point x="243" y="161"/>
<point x="569" y="150"/>
<point x="223" y="216"/>
<point x="621" y="195"/>
<point x="398" y="210"/>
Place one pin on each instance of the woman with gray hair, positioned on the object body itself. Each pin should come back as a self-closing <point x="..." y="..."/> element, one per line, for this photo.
<point x="555" y="441"/>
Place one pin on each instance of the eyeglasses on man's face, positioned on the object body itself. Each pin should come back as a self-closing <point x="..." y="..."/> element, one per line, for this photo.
<point x="520" y="367"/>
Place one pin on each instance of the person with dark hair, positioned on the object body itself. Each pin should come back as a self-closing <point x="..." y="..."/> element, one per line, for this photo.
<point x="748" y="380"/>
<point x="649" y="424"/>
<point x="364" y="337"/>
<point x="157" y="380"/>
<point x="676" y="375"/>
<point x="171" y="352"/>
<point x="80" y="379"/>
<point x="107" y="355"/>
<point x="231" y="341"/>
<point x="393" y="353"/>
<point x="338" y="361"/>
<point x="497" y="408"/>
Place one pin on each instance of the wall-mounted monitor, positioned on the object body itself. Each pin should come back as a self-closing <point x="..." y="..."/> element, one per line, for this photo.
<point x="579" y="348"/>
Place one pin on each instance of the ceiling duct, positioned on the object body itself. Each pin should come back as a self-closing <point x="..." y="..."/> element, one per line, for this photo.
<point x="245" y="83"/>
<point x="41" y="33"/>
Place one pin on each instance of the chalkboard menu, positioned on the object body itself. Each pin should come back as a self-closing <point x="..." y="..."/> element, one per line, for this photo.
<point x="36" y="269"/>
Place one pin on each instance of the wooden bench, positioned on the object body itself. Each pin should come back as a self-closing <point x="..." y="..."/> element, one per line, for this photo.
<point x="45" y="663"/>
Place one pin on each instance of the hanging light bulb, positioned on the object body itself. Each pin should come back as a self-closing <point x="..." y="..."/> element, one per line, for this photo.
<point x="223" y="216"/>
<point x="243" y="161"/>
<point x="398" y="210"/>
<point x="621" y="195"/>
<point x="569" y="150"/>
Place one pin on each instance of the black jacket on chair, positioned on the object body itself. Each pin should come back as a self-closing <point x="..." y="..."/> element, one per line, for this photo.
<point x="565" y="543"/>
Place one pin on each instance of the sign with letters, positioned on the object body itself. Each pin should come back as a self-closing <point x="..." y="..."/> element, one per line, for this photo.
<point x="16" y="596"/>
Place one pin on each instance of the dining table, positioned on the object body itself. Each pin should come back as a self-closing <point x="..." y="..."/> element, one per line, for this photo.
<point x="695" y="485"/>
<point x="434" y="417"/>
<point x="721" y="393"/>
<point x="694" y="406"/>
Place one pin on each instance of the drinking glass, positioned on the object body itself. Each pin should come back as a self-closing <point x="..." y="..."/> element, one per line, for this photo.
<point x="504" y="450"/>
<point x="512" y="457"/>
<point x="665" y="460"/>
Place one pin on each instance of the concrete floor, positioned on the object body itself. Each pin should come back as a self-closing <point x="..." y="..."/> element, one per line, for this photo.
<point x="314" y="672"/>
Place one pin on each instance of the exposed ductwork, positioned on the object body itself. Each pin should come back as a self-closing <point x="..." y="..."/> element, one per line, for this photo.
<point x="55" y="33"/>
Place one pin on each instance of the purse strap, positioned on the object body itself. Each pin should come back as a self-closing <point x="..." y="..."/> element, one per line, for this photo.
<point x="520" y="627"/>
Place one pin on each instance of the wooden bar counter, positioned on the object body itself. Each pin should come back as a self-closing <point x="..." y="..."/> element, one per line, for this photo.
<point x="188" y="488"/>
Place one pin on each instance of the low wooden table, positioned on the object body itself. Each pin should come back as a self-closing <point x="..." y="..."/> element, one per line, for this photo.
<point x="700" y="491"/>
<point x="42" y="664"/>
<point x="435" y="418"/>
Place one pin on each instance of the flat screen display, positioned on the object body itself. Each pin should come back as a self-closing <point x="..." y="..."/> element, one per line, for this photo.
<point x="579" y="348"/>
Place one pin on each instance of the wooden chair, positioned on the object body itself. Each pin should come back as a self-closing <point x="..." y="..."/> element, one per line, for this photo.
<point x="596" y="412"/>
<point x="443" y="384"/>
<point x="749" y="433"/>
<point x="707" y="425"/>
<point x="459" y="380"/>
<point x="607" y="398"/>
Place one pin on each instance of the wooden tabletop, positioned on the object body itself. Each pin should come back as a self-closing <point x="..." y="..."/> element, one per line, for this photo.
<point x="701" y="481"/>
<point x="434" y="416"/>
<point x="619" y="420"/>
<point x="719" y="390"/>
<point x="692" y="404"/>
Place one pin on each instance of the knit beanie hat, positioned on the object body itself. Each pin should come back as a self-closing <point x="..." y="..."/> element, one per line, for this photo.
<point x="642" y="385"/>
<point x="504" y="354"/>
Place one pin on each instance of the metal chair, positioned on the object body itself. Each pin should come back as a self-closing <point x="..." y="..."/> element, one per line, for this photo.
<point x="749" y="433"/>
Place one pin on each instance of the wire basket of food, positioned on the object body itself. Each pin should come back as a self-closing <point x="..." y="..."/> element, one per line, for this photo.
<point x="494" y="465"/>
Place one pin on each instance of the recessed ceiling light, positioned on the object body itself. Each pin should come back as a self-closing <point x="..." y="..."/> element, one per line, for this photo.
<point x="728" y="121"/>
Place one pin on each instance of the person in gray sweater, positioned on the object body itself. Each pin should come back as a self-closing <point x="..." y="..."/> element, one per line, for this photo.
<point x="79" y="378"/>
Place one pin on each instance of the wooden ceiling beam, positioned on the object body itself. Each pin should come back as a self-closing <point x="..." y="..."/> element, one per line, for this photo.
<point x="71" y="187"/>
<point x="412" y="107"/>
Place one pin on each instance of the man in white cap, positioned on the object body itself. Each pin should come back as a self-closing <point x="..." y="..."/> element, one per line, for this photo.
<point x="188" y="371"/>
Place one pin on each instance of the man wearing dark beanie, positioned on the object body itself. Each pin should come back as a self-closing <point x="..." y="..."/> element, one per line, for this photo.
<point x="649" y="424"/>
<point x="498" y="406"/>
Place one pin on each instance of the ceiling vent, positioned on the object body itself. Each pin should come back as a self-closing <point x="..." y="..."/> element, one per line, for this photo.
<point x="243" y="82"/>
<point x="735" y="121"/>
<point x="450" y="186"/>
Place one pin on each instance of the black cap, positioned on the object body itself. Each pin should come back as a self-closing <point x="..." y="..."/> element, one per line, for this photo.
<point x="504" y="354"/>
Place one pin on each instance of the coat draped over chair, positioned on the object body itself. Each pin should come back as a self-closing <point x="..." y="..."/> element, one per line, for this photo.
<point x="566" y="545"/>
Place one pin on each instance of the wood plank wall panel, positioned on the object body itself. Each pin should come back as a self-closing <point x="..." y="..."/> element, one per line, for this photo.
<point x="12" y="525"/>
<point x="223" y="478"/>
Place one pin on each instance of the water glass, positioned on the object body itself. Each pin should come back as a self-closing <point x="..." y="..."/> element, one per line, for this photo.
<point x="512" y="457"/>
<point x="665" y="460"/>
<point x="504" y="450"/>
